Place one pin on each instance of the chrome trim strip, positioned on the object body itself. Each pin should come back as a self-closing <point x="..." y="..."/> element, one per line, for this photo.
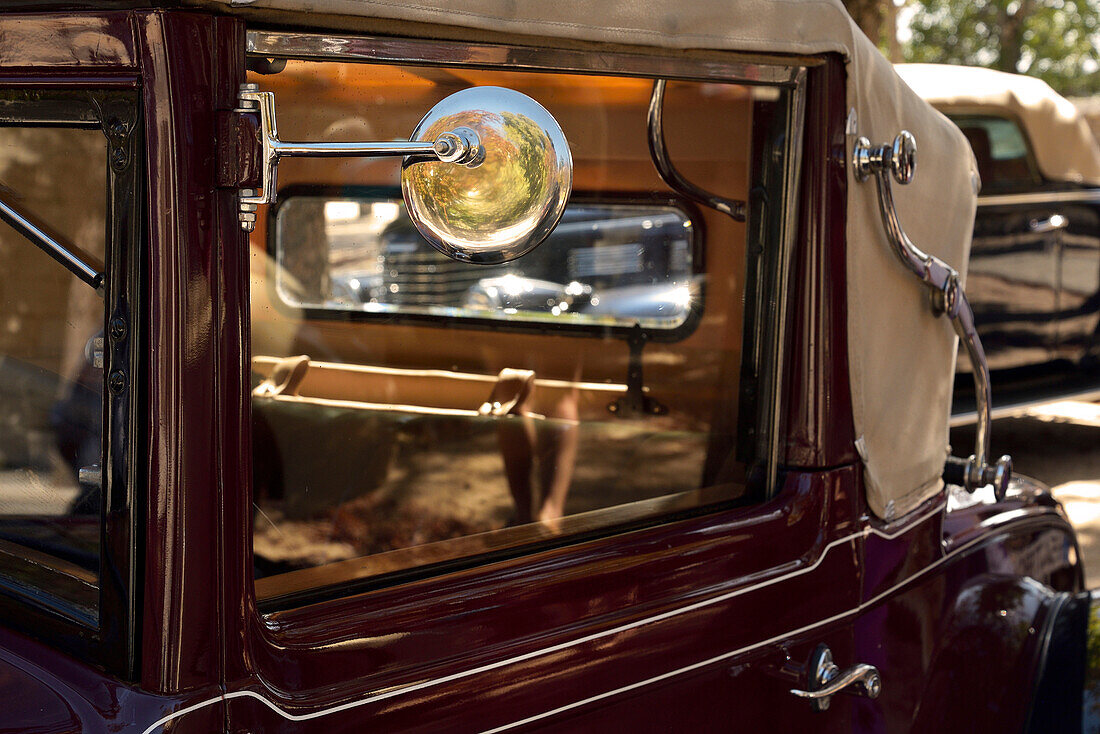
<point x="939" y="508"/>
<point x="792" y="180"/>
<point x="280" y="44"/>
<point x="1087" y="196"/>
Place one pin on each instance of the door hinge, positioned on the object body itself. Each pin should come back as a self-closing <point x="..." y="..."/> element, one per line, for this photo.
<point x="240" y="149"/>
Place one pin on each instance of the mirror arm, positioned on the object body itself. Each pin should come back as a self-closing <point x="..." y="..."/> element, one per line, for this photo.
<point x="63" y="253"/>
<point x="669" y="174"/>
<point x="947" y="298"/>
<point x="460" y="146"/>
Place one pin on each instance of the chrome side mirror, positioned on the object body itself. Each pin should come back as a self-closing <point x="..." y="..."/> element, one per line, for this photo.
<point x="510" y="192"/>
<point x="899" y="161"/>
<point x="486" y="175"/>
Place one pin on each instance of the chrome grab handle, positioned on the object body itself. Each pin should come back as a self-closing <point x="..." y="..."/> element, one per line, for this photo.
<point x="947" y="297"/>
<point x="461" y="146"/>
<point x="669" y="173"/>
<point x="827" y="680"/>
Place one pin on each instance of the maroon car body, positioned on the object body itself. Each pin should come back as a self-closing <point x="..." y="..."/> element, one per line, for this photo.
<point x="702" y="621"/>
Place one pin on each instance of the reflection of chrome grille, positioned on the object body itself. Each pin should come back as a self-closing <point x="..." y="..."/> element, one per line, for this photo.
<point x="429" y="279"/>
<point x="585" y="262"/>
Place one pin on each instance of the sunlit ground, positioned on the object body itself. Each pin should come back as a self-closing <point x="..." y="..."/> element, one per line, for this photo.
<point x="1058" y="444"/>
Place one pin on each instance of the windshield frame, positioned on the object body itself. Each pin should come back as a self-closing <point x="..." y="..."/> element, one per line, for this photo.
<point x="105" y="634"/>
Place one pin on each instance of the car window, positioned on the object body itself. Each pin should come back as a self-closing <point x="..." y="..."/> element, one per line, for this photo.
<point x="412" y="414"/>
<point x="51" y="376"/>
<point x="608" y="263"/>
<point x="1001" y="149"/>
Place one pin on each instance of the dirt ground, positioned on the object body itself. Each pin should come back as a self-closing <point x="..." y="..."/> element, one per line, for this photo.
<point x="439" y="486"/>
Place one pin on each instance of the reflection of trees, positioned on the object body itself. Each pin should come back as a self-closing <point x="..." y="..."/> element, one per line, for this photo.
<point x="508" y="188"/>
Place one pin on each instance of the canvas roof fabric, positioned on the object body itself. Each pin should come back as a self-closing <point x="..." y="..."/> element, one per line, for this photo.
<point x="901" y="356"/>
<point x="1065" y="148"/>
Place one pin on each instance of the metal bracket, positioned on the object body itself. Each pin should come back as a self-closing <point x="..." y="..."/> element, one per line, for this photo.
<point x="461" y="146"/>
<point x="946" y="298"/>
<point x="636" y="402"/>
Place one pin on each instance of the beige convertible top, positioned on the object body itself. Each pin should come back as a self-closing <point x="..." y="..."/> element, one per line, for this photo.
<point x="901" y="357"/>
<point x="1064" y="146"/>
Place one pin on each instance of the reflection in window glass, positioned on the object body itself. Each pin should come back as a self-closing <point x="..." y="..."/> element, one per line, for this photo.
<point x="51" y="409"/>
<point x="605" y="264"/>
<point x="1000" y="149"/>
<point x="409" y="410"/>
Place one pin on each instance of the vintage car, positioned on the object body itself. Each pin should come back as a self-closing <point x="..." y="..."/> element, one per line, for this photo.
<point x="1034" y="279"/>
<point x="570" y="371"/>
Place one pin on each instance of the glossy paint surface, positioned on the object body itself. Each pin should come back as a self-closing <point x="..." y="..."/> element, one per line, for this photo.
<point x="1036" y="293"/>
<point x="81" y="43"/>
<point x="700" y="624"/>
<point x="954" y="609"/>
<point x="188" y="75"/>
<point x="506" y="643"/>
<point x="819" y="429"/>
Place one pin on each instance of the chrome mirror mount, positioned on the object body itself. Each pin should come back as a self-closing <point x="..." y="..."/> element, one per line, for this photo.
<point x="898" y="160"/>
<point x="486" y="175"/>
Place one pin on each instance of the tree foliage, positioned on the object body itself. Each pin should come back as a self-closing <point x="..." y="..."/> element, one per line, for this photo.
<point x="1055" y="40"/>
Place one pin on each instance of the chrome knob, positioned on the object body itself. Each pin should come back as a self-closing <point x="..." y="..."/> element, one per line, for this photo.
<point x="827" y="680"/>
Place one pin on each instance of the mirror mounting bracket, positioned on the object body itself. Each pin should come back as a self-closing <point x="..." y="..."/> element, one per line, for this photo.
<point x="947" y="298"/>
<point x="461" y="146"/>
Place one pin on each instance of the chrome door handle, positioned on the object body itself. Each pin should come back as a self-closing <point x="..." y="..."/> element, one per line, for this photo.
<point x="827" y="680"/>
<point x="1052" y="223"/>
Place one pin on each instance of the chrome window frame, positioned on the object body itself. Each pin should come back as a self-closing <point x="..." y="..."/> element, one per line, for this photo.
<point x="731" y="67"/>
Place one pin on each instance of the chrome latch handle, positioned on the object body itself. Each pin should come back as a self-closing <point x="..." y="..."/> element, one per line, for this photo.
<point x="461" y="146"/>
<point x="899" y="160"/>
<point x="827" y="680"/>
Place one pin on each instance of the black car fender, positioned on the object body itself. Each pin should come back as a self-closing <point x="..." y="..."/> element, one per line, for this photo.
<point x="1066" y="693"/>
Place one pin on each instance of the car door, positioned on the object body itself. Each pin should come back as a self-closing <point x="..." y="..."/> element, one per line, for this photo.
<point x="1016" y="253"/>
<point x="479" y="516"/>
<point x="1078" y="223"/>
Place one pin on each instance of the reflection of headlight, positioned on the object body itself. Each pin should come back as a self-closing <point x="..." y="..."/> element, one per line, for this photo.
<point x="512" y="285"/>
<point x="682" y="297"/>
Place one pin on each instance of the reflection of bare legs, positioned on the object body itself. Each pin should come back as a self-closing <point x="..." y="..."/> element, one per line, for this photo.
<point x="517" y="438"/>
<point x="557" y="452"/>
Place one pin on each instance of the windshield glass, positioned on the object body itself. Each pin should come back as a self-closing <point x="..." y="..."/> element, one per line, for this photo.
<point x="51" y="322"/>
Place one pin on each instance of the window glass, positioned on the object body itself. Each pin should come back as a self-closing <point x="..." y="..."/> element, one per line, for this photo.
<point x="607" y="263"/>
<point x="51" y="411"/>
<point x="410" y="411"/>
<point x="1001" y="150"/>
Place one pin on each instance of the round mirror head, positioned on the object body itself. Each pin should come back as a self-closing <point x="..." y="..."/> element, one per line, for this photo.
<point x="501" y="181"/>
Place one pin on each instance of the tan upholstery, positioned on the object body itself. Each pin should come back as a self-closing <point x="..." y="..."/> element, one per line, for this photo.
<point x="510" y="394"/>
